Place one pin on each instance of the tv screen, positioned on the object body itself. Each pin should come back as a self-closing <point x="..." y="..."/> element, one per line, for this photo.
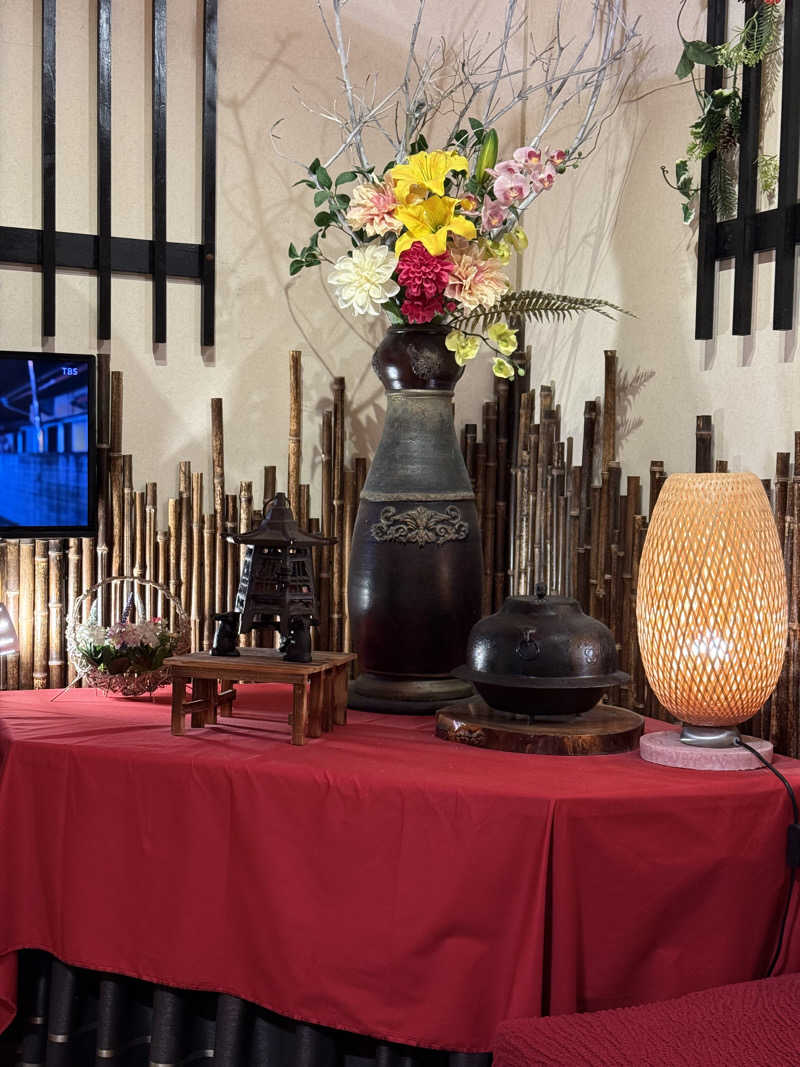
<point x="47" y="445"/>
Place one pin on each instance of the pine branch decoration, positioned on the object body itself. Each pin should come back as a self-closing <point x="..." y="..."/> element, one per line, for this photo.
<point x="535" y="305"/>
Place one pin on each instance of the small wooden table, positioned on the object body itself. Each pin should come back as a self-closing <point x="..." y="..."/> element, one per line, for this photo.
<point x="320" y="687"/>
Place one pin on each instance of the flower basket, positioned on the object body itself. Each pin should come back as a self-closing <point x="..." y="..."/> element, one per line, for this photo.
<point x="125" y="657"/>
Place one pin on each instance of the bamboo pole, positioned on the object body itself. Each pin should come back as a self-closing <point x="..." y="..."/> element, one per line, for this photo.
<point x="326" y="523"/>
<point x="25" y="627"/>
<point x="196" y="615"/>
<point x="150" y="545"/>
<point x="218" y="476"/>
<point x="704" y="445"/>
<point x="162" y="572"/>
<point x="656" y="480"/>
<point x="88" y="574"/>
<point x="245" y="523"/>
<point x="610" y="408"/>
<point x="209" y="585"/>
<point x="781" y="492"/>
<point x="128" y="522"/>
<point x="304" y="505"/>
<point x="270" y="486"/>
<point x="490" y="498"/>
<point x="336" y="621"/>
<point x="40" y="594"/>
<point x="518" y="499"/>
<point x="501" y="494"/>
<point x="480" y="484"/>
<point x="295" y="427"/>
<point x="75" y="585"/>
<point x="349" y="521"/>
<point x="232" y="552"/>
<point x="185" y="556"/>
<point x="116" y="536"/>
<point x="12" y="602"/>
<point x="174" y="539"/>
<point x="139" y="547"/>
<point x="103" y="471"/>
<point x="55" y="615"/>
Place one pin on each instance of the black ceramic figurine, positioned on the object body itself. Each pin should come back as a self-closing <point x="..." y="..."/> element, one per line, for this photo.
<point x="226" y="636"/>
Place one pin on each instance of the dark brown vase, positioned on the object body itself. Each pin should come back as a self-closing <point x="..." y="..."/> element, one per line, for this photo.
<point x="415" y="568"/>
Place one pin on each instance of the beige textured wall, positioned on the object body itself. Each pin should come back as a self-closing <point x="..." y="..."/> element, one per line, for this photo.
<point x="611" y="229"/>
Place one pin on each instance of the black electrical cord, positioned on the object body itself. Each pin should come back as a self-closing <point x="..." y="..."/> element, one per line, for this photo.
<point x="792" y="850"/>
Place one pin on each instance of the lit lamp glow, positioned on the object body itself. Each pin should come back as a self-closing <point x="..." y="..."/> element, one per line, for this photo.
<point x="711" y="605"/>
<point x="8" y="635"/>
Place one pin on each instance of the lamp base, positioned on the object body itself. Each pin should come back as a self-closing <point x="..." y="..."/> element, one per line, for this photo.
<point x="709" y="736"/>
<point x="667" y="748"/>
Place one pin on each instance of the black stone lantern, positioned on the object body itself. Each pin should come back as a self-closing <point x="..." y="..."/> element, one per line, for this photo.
<point x="276" y="588"/>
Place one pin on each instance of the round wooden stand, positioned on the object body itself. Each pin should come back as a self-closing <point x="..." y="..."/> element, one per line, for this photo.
<point x="604" y="730"/>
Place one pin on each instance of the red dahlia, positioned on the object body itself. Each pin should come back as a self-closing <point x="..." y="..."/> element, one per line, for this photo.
<point x="422" y="274"/>
<point x="421" y="308"/>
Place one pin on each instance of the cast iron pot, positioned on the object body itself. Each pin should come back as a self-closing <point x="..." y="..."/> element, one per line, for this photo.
<point x="541" y="656"/>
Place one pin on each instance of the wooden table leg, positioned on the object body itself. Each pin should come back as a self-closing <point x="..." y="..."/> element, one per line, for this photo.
<point x="178" y="693"/>
<point x="200" y="692"/>
<point x="299" y="713"/>
<point x="340" y="694"/>
<point x="328" y="699"/>
<point x="315" y="699"/>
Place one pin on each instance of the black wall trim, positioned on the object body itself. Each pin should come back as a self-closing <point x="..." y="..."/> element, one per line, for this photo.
<point x="50" y="249"/>
<point x="752" y="231"/>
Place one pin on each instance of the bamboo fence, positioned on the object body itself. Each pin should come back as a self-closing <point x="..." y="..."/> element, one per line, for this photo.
<point x="559" y="514"/>
<point x="553" y="512"/>
<point x="40" y="580"/>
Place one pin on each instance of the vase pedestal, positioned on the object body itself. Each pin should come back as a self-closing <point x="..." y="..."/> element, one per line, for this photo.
<point x="415" y="579"/>
<point x="403" y="696"/>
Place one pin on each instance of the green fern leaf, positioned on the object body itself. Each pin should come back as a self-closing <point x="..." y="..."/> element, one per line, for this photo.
<point x="537" y="306"/>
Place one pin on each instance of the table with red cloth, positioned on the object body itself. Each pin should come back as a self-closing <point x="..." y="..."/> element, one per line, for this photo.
<point x="378" y="880"/>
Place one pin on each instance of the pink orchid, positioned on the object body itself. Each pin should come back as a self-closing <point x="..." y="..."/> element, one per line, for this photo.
<point x="510" y="190"/>
<point x="527" y="156"/>
<point x="493" y="215"/>
<point x="558" y="156"/>
<point x="507" y="169"/>
<point x="543" y="177"/>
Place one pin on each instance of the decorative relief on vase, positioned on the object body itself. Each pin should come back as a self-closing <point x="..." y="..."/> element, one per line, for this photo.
<point x="420" y="526"/>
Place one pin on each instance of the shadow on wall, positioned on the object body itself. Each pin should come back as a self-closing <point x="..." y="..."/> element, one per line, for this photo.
<point x="261" y="202"/>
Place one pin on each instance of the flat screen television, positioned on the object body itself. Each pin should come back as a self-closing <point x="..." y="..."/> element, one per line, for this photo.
<point x="47" y="445"/>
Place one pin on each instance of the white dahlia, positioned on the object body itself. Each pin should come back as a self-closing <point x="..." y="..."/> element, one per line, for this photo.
<point x="363" y="279"/>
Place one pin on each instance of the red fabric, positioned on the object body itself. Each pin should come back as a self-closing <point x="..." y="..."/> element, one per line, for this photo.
<point x="378" y="880"/>
<point x="754" y="1023"/>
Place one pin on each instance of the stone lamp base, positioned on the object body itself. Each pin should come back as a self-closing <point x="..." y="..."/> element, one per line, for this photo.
<point x="666" y="748"/>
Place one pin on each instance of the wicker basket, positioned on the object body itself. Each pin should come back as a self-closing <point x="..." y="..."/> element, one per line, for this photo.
<point x="128" y="682"/>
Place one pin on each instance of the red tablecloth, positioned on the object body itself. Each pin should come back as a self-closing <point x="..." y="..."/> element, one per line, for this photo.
<point x="377" y="880"/>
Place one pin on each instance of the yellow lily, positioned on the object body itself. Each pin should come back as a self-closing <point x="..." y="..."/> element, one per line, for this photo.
<point x="425" y="172"/>
<point x="430" y="222"/>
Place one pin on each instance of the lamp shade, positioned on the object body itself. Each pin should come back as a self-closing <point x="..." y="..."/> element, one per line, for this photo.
<point x="9" y="641"/>
<point x="711" y="599"/>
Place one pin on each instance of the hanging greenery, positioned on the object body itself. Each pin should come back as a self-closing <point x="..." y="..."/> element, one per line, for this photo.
<point x="718" y="128"/>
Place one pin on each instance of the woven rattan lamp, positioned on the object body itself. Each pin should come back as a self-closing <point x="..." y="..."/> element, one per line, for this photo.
<point x="711" y="611"/>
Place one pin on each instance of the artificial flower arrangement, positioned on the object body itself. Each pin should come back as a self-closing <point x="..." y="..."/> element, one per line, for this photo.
<point x="717" y="129"/>
<point x="126" y="657"/>
<point x="136" y="647"/>
<point x="432" y="233"/>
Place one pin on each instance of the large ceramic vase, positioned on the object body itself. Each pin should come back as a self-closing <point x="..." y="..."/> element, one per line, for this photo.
<point x="415" y="567"/>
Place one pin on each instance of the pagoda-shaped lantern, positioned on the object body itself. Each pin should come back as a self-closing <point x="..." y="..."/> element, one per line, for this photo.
<point x="276" y="589"/>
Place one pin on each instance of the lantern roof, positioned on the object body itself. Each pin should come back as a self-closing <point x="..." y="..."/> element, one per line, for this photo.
<point x="279" y="529"/>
